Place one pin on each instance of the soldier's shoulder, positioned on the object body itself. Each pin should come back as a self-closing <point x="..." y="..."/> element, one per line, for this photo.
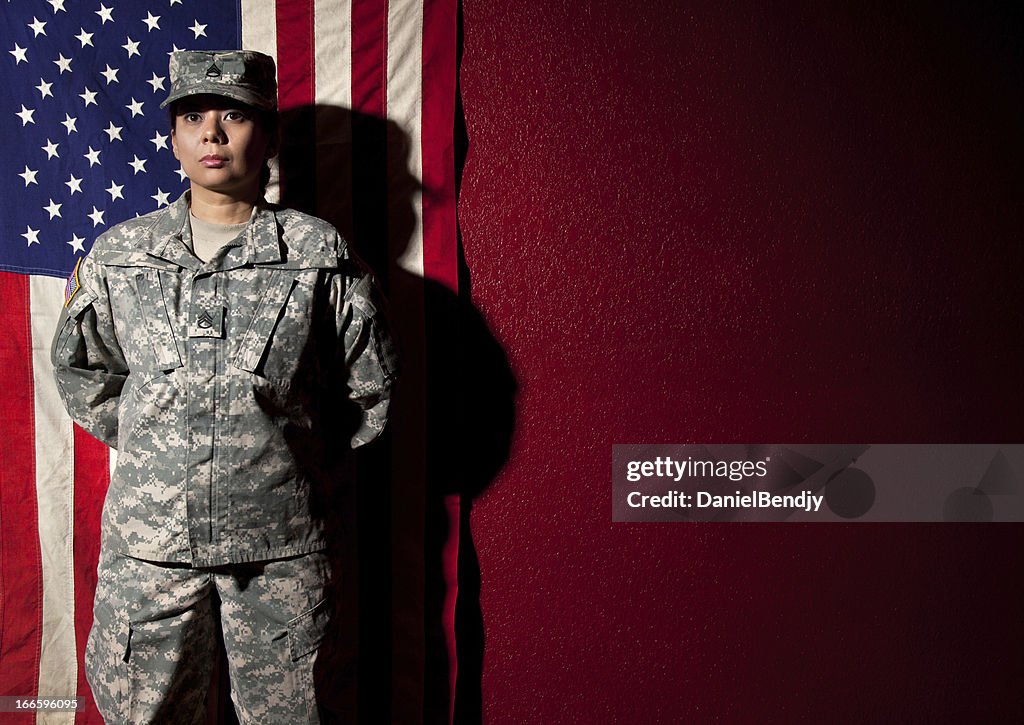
<point x="124" y="236"/>
<point x="302" y="231"/>
<point x="310" y="238"/>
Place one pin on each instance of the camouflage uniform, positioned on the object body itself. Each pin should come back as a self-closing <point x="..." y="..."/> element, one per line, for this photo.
<point x="218" y="383"/>
<point x="215" y="382"/>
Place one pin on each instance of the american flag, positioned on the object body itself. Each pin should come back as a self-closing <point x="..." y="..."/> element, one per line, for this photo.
<point x="87" y="146"/>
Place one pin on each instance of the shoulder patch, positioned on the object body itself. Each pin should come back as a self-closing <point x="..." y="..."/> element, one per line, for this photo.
<point x="73" y="285"/>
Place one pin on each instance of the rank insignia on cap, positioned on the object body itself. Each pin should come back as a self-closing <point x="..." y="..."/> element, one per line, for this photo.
<point x="73" y="285"/>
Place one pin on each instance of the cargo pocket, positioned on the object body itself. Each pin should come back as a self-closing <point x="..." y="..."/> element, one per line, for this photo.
<point x="168" y="663"/>
<point x="106" y="664"/>
<point x="138" y="652"/>
<point x="306" y="631"/>
<point x="305" y="634"/>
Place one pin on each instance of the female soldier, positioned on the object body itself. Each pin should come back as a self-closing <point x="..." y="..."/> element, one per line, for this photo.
<point x="220" y="344"/>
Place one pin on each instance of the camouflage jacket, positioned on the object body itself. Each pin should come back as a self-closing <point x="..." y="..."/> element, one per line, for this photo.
<point x="222" y="385"/>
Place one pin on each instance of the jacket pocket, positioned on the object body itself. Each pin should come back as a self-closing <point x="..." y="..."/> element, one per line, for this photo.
<point x="154" y="321"/>
<point x="306" y="631"/>
<point x="148" y="409"/>
<point x="274" y="342"/>
<point x="277" y="347"/>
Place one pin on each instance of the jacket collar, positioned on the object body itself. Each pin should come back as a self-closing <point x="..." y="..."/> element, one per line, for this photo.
<point x="170" y="237"/>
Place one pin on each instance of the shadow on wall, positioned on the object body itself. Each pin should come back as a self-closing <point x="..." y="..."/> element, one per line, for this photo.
<point x="453" y="420"/>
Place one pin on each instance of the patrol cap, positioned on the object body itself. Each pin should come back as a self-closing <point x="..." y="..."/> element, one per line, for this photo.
<point x="244" y="75"/>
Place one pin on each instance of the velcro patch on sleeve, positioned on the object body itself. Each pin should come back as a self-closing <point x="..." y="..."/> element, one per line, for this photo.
<point x="73" y="285"/>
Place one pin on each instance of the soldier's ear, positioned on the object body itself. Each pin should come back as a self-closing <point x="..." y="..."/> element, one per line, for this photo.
<point x="174" y="144"/>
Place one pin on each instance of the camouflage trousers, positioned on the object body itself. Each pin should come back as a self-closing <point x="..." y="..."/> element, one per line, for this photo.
<point x="152" y="645"/>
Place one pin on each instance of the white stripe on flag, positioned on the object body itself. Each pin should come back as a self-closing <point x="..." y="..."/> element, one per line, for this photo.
<point x="54" y="451"/>
<point x="333" y="82"/>
<point x="333" y="35"/>
<point x="259" y="26"/>
<point x="259" y="32"/>
<point x="404" y="107"/>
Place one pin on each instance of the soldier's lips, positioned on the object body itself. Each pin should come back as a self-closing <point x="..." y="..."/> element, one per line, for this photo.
<point x="213" y="162"/>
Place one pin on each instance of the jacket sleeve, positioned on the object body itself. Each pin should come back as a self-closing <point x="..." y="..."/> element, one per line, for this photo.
<point x="368" y="353"/>
<point x="88" y="364"/>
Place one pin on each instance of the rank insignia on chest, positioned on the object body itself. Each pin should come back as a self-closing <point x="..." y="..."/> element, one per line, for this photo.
<point x="73" y="285"/>
<point x="207" y="322"/>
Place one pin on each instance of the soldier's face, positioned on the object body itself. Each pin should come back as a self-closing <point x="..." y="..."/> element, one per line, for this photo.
<point x="221" y="144"/>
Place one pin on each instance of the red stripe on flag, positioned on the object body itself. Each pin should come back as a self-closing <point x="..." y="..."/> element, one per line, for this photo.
<point x="20" y="565"/>
<point x="296" y="79"/>
<point x="370" y="57"/>
<point x="440" y="242"/>
<point x="296" y="91"/>
<point x="92" y="476"/>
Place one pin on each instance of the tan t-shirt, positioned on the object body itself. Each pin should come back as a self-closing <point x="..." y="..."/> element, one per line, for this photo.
<point x="208" y="238"/>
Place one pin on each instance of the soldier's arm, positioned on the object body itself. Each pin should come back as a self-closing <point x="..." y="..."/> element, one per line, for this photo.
<point x="368" y="351"/>
<point x="88" y="364"/>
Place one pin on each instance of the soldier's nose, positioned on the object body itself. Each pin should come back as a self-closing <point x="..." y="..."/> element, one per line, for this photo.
<point x="213" y="132"/>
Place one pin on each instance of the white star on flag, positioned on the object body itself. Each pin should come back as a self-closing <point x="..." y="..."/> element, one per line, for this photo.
<point x="37" y="27"/>
<point x="29" y="175"/>
<point x="63" y="63"/>
<point x="132" y="47"/>
<point x="25" y="114"/>
<point x="32" y="235"/>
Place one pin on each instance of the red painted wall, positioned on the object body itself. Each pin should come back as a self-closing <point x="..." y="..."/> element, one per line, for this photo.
<point x="744" y="222"/>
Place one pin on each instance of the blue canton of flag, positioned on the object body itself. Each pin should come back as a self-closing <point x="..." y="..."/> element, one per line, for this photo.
<point x="87" y="144"/>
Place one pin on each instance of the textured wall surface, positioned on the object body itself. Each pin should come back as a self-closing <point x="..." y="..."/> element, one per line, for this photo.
<point x="744" y="222"/>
